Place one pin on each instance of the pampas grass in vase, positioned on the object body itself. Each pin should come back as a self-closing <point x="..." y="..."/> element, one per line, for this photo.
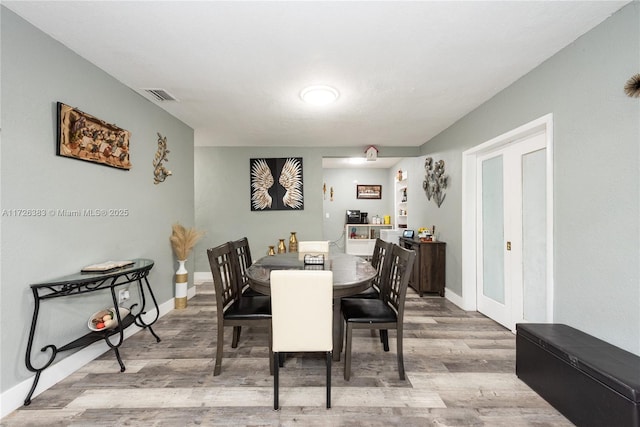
<point x="182" y="241"/>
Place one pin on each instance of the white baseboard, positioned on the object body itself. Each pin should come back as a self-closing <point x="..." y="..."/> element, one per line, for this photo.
<point x="200" y="277"/>
<point x="13" y="398"/>
<point x="191" y="292"/>
<point x="454" y="298"/>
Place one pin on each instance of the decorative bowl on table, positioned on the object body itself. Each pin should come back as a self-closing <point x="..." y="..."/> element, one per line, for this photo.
<point x="106" y="319"/>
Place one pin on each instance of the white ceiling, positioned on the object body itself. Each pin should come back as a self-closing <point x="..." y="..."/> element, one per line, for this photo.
<point x="405" y="70"/>
<point x="359" y="162"/>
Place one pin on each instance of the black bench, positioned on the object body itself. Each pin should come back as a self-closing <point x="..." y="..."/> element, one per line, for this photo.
<point x="591" y="382"/>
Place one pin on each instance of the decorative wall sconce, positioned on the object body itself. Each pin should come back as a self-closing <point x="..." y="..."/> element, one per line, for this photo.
<point x="632" y="88"/>
<point x="435" y="180"/>
<point x="160" y="173"/>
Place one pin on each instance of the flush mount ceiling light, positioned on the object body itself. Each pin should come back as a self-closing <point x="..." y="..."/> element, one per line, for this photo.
<point x="319" y="95"/>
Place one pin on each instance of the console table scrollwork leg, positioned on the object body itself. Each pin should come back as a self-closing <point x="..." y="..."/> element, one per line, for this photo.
<point x="122" y="367"/>
<point x="139" y="320"/>
<point x="27" y="400"/>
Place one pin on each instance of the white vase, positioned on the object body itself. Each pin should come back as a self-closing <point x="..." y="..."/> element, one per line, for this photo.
<point x="182" y="278"/>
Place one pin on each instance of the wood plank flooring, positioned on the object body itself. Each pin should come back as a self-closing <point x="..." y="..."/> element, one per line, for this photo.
<point x="460" y="372"/>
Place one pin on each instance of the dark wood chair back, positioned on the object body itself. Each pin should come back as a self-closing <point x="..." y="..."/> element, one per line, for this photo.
<point x="243" y="261"/>
<point x="396" y="279"/>
<point x="223" y="268"/>
<point x="380" y="260"/>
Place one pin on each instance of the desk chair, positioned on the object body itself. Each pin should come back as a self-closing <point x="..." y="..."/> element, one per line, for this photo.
<point x="384" y="313"/>
<point x="298" y="325"/>
<point x="232" y="309"/>
<point x="313" y="248"/>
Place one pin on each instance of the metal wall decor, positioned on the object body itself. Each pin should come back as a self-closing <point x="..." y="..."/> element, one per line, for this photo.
<point x="632" y="88"/>
<point x="435" y="180"/>
<point x="160" y="173"/>
<point x="283" y="193"/>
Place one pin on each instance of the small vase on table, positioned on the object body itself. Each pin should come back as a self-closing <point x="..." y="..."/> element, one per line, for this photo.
<point x="293" y="242"/>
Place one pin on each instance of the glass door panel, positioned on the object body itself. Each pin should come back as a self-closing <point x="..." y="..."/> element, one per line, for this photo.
<point x="534" y="237"/>
<point x="493" y="229"/>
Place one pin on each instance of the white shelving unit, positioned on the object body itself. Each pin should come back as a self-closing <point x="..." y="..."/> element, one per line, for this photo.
<point x="360" y="239"/>
<point x="401" y="201"/>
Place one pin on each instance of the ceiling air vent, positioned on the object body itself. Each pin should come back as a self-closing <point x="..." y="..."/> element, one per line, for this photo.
<point x="160" y="95"/>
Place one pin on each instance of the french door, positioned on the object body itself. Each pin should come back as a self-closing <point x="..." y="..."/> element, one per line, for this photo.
<point x="511" y="270"/>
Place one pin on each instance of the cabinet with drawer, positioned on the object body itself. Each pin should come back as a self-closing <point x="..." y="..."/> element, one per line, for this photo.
<point x="429" y="268"/>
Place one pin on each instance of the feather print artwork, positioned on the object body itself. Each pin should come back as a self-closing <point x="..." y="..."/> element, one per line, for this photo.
<point x="291" y="180"/>
<point x="261" y="182"/>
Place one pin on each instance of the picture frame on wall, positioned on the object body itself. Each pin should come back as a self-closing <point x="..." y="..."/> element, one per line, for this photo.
<point x="276" y="184"/>
<point x="369" y="191"/>
<point x="84" y="137"/>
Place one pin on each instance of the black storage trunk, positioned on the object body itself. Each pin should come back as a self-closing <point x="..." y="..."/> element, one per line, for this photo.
<point x="591" y="382"/>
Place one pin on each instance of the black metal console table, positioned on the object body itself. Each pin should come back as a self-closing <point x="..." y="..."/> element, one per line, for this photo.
<point x="81" y="283"/>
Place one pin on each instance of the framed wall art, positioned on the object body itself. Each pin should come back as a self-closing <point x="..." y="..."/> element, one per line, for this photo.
<point x="276" y="184"/>
<point x="369" y="191"/>
<point x="84" y="137"/>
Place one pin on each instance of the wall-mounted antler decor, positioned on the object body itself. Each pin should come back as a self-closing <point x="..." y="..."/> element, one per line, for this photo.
<point x="435" y="180"/>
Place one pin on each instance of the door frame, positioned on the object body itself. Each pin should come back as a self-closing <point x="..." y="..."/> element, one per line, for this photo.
<point x="469" y="194"/>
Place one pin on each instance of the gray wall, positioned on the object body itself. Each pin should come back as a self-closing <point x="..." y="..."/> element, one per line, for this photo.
<point x="344" y="183"/>
<point x="596" y="168"/>
<point x="36" y="73"/>
<point x="223" y="197"/>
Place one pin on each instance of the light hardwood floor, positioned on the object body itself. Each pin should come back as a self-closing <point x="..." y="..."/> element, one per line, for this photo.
<point x="460" y="372"/>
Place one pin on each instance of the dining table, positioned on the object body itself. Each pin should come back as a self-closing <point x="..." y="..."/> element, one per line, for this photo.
<point x="351" y="275"/>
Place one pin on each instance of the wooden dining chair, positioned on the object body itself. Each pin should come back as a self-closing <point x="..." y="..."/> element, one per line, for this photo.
<point x="297" y="325"/>
<point x="242" y="262"/>
<point x="313" y="248"/>
<point x="380" y="260"/>
<point x="233" y="310"/>
<point x="384" y="313"/>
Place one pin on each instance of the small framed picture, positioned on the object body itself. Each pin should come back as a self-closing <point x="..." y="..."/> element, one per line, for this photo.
<point x="369" y="191"/>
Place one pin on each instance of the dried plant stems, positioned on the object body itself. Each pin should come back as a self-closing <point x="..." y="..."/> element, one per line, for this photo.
<point x="183" y="240"/>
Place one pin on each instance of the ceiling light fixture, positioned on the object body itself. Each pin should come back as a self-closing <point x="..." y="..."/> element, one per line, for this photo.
<point x="319" y="95"/>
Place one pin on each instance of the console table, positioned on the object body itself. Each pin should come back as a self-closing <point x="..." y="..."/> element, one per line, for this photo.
<point x="82" y="283"/>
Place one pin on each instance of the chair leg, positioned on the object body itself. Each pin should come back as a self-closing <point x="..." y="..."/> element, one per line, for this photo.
<point x="276" y="375"/>
<point x="400" y="355"/>
<point x="236" y="336"/>
<point x="329" y="357"/>
<point x="347" y="353"/>
<point x="384" y="337"/>
<point x="271" y="357"/>
<point x="219" y="347"/>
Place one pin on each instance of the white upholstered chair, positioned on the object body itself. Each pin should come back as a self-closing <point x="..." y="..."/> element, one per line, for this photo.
<point x="302" y="318"/>
<point x="320" y="247"/>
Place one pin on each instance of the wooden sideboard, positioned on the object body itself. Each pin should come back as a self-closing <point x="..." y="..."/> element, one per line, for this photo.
<point x="429" y="268"/>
